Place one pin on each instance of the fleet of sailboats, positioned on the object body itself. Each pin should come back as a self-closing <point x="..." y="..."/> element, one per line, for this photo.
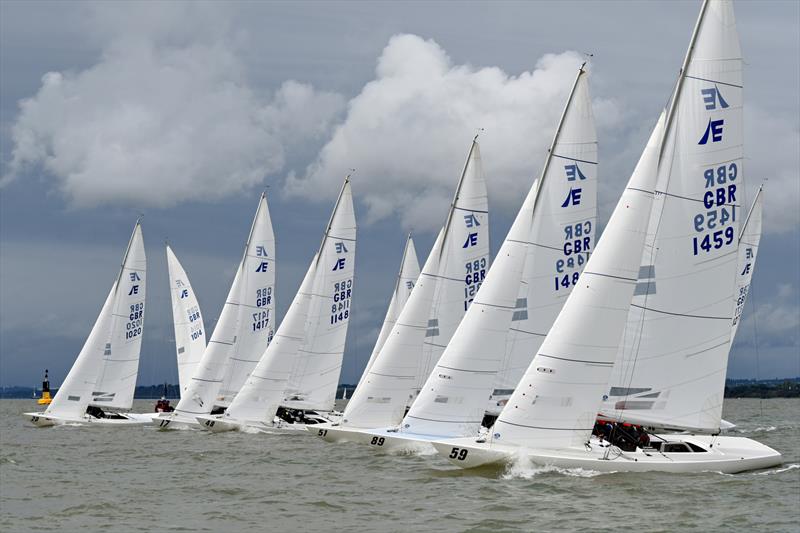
<point x="607" y="355"/>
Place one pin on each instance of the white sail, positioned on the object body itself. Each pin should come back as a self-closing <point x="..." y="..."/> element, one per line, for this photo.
<point x="256" y="305"/>
<point x="120" y="367"/>
<point x="383" y="393"/>
<point x="463" y="264"/>
<point x="190" y="333"/>
<point x="556" y="402"/>
<point x="75" y="393"/>
<point x="450" y="278"/>
<point x="262" y="393"/>
<point x="535" y="270"/>
<point x="671" y="368"/>
<point x="315" y="374"/>
<point x="562" y="235"/>
<point x="406" y="279"/>
<point x="236" y="322"/>
<point x="748" y="252"/>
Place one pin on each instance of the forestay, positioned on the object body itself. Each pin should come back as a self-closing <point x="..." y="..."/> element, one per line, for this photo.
<point x="406" y="279"/>
<point x="235" y="323"/>
<point x="256" y="305"/>
<point x="262" y="393"/>
<point x="555" y="403"/>
<point x="190" y="333"/>
<point x="120" y="367"/>
<point x="315" y="374"/>
<point x="535" y="270"/>
<point x="75" y="393"/>
<point x="450" y="278"/>
<point x="671" y="368"/>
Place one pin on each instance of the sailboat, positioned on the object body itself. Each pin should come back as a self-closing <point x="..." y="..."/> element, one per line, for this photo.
<point x="450" y="278"/>
<point x="103" y="378"/>
<point x="309" y="343"/>
<point x="692" y="162"/>
<point x="242" y="333"/>
<point x="187" y="319"/>
<point x="535" y="270"/>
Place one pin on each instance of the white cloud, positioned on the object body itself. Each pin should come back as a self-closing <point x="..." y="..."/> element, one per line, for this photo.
<point x="161" y="120"/>
<point x="409" y="129"/>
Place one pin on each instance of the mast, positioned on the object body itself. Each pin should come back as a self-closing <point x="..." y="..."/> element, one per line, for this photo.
<point x="402" y="264"/>
<point x="333" y="214"/>
<point x="127" y="251"/>
<point x="458" y="192"/>
<point x="681" y="77"/>
<point x="549" y="156"/>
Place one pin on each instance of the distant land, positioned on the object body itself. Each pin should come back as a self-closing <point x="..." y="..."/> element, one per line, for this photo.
<point x="734" y="388"/>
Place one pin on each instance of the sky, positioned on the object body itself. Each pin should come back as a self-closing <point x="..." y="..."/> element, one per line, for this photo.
<point x="186" y="112"/>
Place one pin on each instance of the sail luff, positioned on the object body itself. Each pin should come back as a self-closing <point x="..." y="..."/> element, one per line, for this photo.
<point x="673" y="105"/>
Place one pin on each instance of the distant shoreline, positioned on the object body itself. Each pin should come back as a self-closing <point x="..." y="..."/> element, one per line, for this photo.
<point x="734" y="388"/>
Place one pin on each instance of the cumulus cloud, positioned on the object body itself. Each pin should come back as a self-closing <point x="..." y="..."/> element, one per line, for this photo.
<point x="409" y="129"/>
<point x="161" y="120"/>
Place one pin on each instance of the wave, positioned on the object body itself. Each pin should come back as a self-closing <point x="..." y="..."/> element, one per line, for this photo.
<point x="759" y="429"/>
<point x="778" y="470"/>
<point x="525" y="469"/>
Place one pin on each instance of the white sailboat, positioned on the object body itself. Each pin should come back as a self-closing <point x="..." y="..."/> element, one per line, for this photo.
<point x="535" y="270"/>
<point x="450" y="278"/>
<point x="695" y="165"/>
<point x="243" y="330"/>
<point x="103" y="377"/>
<point x="187" y="319"/>
<point x="310" y="391"/>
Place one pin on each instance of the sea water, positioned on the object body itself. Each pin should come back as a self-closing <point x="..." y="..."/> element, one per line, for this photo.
<point x="72" y="478"/>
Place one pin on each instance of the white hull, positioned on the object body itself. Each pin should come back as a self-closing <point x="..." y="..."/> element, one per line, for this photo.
<point x="170" y="421"/>
<point x="127" y="419"/>
<point x="728" y="455"/>
<point x="386" y="439"/>
<point x="218" y="424"/>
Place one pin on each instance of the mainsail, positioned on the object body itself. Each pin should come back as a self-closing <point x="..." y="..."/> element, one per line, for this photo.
<point x="671" y="368"/>
<point x="455" y="268"/>
<point x="534" y="272"/>
<point x="245" y="323"/>
<point x="190" y="333"/>
<point x="120" y="367"/>
<point x="315" y="373"/>
<point x="75" y="392"/>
